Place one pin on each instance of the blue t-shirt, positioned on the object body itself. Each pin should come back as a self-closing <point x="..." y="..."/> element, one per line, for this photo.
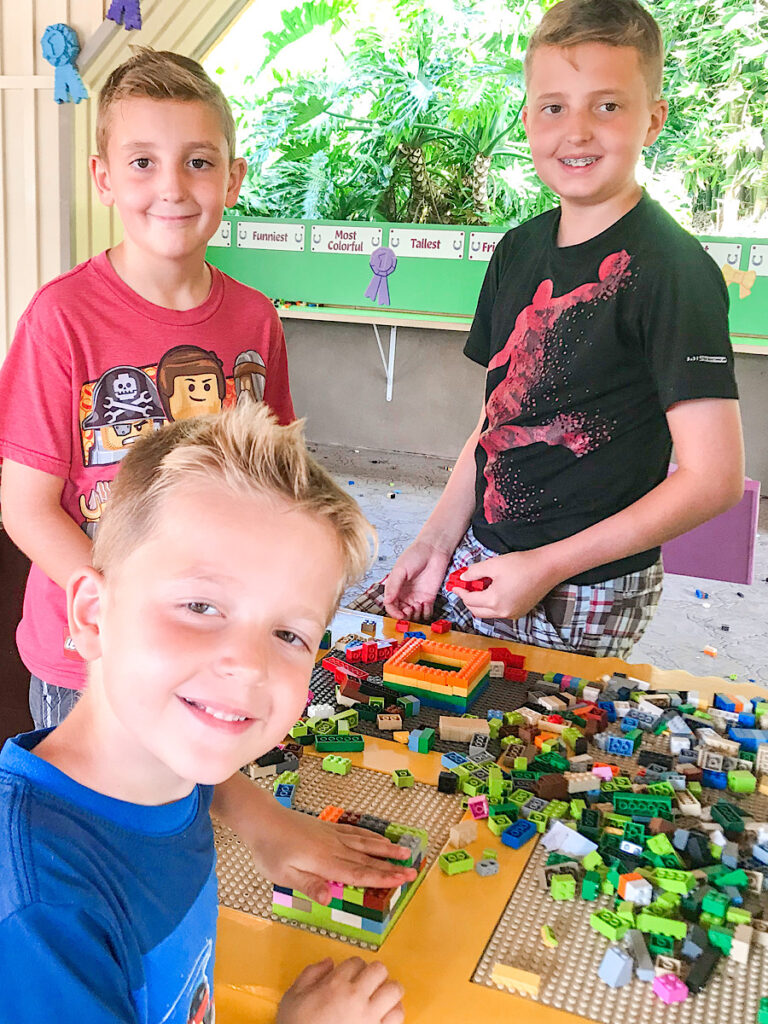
<point x="107" y="908"/>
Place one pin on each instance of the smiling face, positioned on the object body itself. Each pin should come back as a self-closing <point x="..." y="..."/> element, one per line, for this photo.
<point x="588" y="115"/>
<point x="206" y="635"/>
<point x="168" y="172"/>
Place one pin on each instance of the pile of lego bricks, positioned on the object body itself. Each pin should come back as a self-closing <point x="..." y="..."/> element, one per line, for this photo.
<point x="648" y="827"/>
<point x="359" y="684"/>
<point x="365" y="914"/>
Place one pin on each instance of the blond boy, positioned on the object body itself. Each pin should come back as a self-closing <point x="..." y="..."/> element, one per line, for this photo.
<point x="604" y="329"/>
<point x="200" y="634"/>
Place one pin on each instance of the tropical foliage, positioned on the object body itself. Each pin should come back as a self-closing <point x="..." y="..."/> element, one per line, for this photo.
<point x="423" y="123"/>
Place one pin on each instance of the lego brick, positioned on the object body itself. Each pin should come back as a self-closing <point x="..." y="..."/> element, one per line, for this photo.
<point x="455" y="862"/>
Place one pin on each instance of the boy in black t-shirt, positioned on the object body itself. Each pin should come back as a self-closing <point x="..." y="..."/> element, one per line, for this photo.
<point x="604" y="329"/>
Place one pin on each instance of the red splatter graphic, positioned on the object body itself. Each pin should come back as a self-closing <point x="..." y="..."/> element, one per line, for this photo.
<point x="525" y="354"/>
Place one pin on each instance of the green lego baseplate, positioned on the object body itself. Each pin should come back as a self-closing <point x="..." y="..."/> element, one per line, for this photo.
<point x="362" y="790"/>
<point x="569" y="972"/>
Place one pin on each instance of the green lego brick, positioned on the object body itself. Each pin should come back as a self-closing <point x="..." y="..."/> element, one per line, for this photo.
<point x="590" y="885"/>
<point x="521" y="764"/>
<point x="716" y="904"/>
<point x="337" y="765"/>
<point x="456" y="862"/>
<point x="402" y="778"/>
<point x="660" y="845"/>
<point x="497" y="823"/>
<point x="299" y="730"/>
<point x="354" y="894"/>
<point x="407" y="703"/>
<point x="674" y="881"/>
<point x="507" y="808"/>
<point x="648" y="922"/>
<point x="592" y="861"/>
<point x="661" y="945"/>
<point x="562" y="887"/>
<point x="575" y="808"/>
<point x="721" y="937"/>
<point x="556" y="809"/>
<point x="322" y="726"/>
<point x="738" y="915"/>
<point x="737" y="877"/>
<point x="741" y="781"/>
<point x="539" y="819"/>
<point x="609" y="924"/>
<point x="636" y="737"/>
<point x="287" y="778"/>
<point x="662" y="789"/>
<point x="646" y="805"/>
<point x="334" y="744"/>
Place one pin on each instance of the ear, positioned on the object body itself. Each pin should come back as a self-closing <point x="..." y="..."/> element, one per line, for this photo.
<point x="237" y="170"/>
<point x="659" y="112"/>
<point x="524" y="118"/>
<point x="100" y="175"/>
<point x="85" y="591"/>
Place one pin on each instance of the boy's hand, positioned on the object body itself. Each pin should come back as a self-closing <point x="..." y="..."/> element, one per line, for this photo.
<point x="411" y="587"/>
<point x="302" y="853"/>
<point x="353" y="991"/>
<point x="520" y="580"/>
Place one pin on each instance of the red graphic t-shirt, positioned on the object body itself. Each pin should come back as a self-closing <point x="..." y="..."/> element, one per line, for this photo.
<point x="92" y="368"/>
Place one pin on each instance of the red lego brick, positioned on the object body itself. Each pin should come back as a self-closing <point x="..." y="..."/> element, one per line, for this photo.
<point x="515" y="675"/>
<point x="354" y="653"/>
<point x="377" y="899"/>
<point x="504" y="654"/>
<point x="456" y="583"/>
<point x="370" y="651"/>
<point x="441" y="626"/>
<point x="403" y="625"/>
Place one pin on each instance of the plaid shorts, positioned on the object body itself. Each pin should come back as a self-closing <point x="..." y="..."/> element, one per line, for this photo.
<point x="604" y="620"/>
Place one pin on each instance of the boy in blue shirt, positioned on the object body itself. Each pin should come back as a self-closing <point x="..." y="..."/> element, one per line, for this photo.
<point x="604" y="330"/>
<point x="218" y="563"/>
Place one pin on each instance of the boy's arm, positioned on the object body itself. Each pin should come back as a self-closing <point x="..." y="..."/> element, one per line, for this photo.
<point x="36" y="522"/>
<point x="709" y="480"/>
<point x="411" y="587"/>
<point x="302" y="852"/>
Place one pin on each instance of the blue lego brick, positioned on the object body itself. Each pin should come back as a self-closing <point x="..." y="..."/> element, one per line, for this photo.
<point x="628" y="723"/>
<point x="609" y="708"/>
<point x="452" y="757"/>
<point x="749" y="739"/>
<point x="620" y="746"/>
<point x="519" y="833"/>
<point x="414" y="632"/>
<point x="377" y="927"/>
<point x="284" y="794"/>
<point x="413" y="740"/>
<point x="724" y="702"/>
<point x="493" y="713"/>
<point x="714" y="780"/>
<point x="747" y="719"/>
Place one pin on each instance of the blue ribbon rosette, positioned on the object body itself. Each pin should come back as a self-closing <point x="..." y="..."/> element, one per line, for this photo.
<point x="60" y="48"/>
<point x="383" y="263"/>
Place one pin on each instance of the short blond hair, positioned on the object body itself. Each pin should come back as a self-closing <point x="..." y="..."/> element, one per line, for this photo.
<point x="244" y="450"/>
<point x="161" y="75"/>
<point x="613" y="22"/>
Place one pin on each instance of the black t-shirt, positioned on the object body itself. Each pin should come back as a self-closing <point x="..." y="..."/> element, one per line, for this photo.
<point x="586" y="347"/>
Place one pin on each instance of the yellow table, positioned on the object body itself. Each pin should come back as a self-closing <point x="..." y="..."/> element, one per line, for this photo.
<point x="435" y="947"/>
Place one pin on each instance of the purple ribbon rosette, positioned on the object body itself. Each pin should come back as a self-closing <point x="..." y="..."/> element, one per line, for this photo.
<point x="126" y="12"/>
<point x="383" y="263"/>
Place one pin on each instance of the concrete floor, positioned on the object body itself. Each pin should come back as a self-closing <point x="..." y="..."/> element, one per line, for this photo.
<point x="683" y="624"/>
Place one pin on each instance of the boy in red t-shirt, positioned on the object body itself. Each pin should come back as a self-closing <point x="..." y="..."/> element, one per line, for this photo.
<point x="142" y="333"/>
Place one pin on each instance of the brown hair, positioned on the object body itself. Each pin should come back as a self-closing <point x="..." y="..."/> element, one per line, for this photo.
<point x="161" y="75"/>
<point x="182" y="361"/>
<point x="613" y="22"/>
<point x="244" y="450"/>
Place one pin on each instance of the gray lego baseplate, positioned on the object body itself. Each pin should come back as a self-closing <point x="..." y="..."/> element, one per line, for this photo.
<point x="242" y="888"/>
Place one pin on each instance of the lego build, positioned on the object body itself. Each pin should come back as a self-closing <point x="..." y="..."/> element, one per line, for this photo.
<point x="642" y="813"/>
